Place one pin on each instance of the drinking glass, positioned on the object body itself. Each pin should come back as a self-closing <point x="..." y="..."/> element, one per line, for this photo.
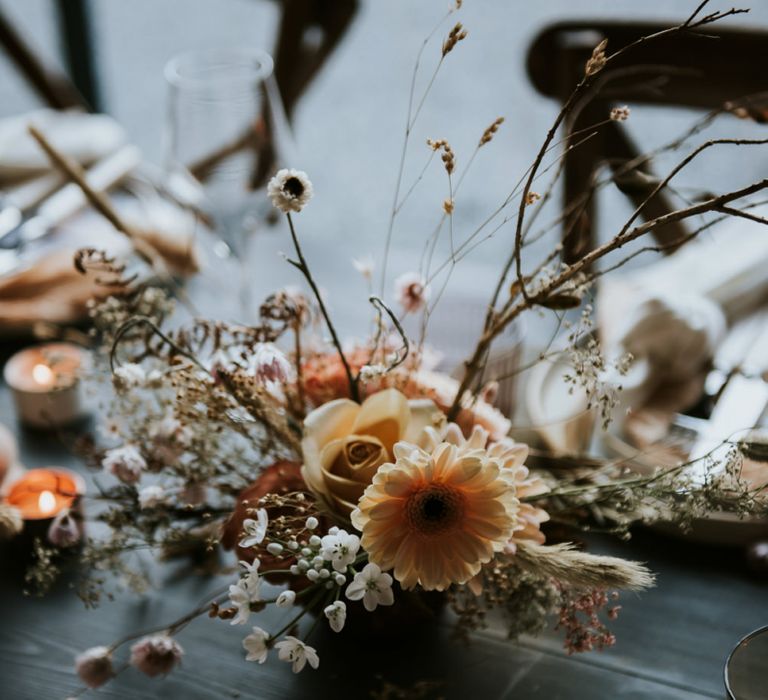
<point x="746" y="671"/>
<point x="226" y="129"/>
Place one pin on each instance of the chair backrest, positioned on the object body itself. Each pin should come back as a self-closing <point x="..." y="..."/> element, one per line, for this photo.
<point x="707" y="68"/>
<point x="701" y="70"/>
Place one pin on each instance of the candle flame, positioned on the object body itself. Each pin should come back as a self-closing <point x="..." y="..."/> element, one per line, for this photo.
<point x="42" y="374"/>
<point x="47" y="502"/>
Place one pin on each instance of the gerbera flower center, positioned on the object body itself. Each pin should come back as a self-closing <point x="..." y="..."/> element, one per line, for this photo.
<point x="434" y="509"/>
<point x="294" y="187"/>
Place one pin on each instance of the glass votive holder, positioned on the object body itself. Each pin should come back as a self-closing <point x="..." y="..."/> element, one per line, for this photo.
<point x="746" y="670"/>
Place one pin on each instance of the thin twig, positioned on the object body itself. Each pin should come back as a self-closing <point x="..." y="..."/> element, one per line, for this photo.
<point x="302" y="266"/>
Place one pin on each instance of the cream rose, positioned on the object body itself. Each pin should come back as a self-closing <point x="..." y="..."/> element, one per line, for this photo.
<point x="345" y="443"/>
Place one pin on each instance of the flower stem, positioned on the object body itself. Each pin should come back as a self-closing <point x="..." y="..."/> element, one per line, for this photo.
<point x="304" y="268"/>
<point x="298" y="617"/>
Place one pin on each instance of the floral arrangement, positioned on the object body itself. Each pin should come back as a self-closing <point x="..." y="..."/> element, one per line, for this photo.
<point x="350" y="479"/>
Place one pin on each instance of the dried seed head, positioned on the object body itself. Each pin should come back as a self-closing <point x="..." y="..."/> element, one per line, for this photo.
<point x="620" y="114"/>
<point x="490" y="131"/>
<point x="448" y="206"/>
<point x="457" y="34"/>
<point x="448" y="157"/>
<point x="597" y="60"/>
<point x="532" y="197"/>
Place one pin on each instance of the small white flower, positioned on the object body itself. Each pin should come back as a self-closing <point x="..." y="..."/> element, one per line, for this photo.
<point x="364" y="266"/>
<point x="290" y="190"/>
<point x="620" y="114"/>
<point x="337" y="615"/>
<point x="126" y="463"/>
<point x="241" y="595"/>
<point x="370" y="372"/>
<point x="256" y="645"/>
<point x="129" y="375"/>
<point x="411" y="291"/>
<point x="252" y="569"/>
<point x="255" y="530"/>
<point x="373" y="586"/>
<point x="269" y="364"/>
<point x="154" y="379"/>
<point x="285" y="599"/>
<point x="312" y="522"/>
<point x="340" y="549"/>
<point x="297" y="653"/>
<point x="151" y="496"/>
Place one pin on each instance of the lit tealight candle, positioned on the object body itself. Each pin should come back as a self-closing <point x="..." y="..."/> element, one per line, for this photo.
<point x="41" y="494"/>
<point x="45" y="385"/>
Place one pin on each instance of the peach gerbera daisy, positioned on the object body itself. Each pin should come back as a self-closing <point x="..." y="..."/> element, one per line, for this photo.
<point x="438" y="514"/>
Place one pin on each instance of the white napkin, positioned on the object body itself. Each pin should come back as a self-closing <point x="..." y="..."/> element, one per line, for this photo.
<point x="84" y="137"/>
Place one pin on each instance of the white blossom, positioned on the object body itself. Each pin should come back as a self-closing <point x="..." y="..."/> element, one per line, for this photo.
<point x="373" y="586"/>
<point x="256" y="645"/>
<point x="370" y="372"/>
<point x="290" y="190"/>
<point x="252" y="569"/>
<point x="255" y="530"/>
<point x="340" y="549"/>
<point x="286" y="599"/>
<point x="126" y="463"/>
<point x="336" y="614"/>
<point x="297" y="653"/>
<point x="620" y="114"/>
<point x="242" y="594"/>
<point x="364" y="266"/>
<point x="151" y="496"/>
<point x="129" y="375"/>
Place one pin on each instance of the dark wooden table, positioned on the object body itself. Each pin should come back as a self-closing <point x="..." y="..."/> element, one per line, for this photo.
<point x="672" y="641"/>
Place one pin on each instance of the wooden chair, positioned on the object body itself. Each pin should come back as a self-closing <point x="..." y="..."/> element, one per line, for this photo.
<point x="685" y="70"/>
<point x="309" y="31"/>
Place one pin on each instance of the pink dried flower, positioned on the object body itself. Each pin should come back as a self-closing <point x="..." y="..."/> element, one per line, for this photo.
<point x="94" y="666"/>
<point x="157" y="655"/>
<point x="579" y="618"/>
<point x="64" y="530"/>
<point x="125" y="462"/>
<point x="268" y="364"/>
<point x="411" y="291"/>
